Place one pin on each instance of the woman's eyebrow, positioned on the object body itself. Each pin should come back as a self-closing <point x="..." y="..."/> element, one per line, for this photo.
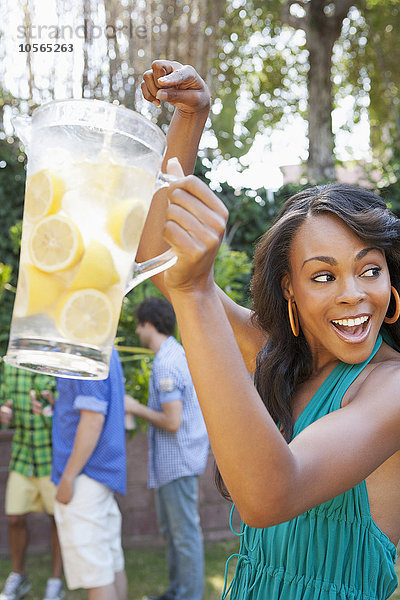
<point x="327" y="259"/>
<point x="365" y="251"/>
<point x="333" y="262"/>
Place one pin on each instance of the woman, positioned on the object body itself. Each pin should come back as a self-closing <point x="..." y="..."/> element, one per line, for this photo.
<point x="310" y="455"/>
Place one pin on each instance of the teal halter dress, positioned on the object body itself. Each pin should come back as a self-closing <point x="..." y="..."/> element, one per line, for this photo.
<point x="334" y="551"/>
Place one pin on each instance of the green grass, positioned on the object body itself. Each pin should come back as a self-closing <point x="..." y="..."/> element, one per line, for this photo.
<point x="145" y="568"/>
<point x="146" y="571"/>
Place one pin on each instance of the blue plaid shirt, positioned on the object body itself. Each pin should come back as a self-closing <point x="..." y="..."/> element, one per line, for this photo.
<point x="184" y="453"/>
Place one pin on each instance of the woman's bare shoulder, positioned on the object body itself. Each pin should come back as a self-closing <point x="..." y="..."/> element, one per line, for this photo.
<point x="384" y="373"/>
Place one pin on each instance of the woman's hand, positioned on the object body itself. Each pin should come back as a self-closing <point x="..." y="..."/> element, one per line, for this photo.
<point x="180" y="85"/>
<point x="194" y="228"/>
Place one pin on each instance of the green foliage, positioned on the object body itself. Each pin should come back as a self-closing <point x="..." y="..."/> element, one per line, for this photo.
<point x="136" y="361"/>
<point x="15" y="236"/>
<point x="232" y="272"/>
<point x="5" y="277"/>
<point x="12" y="179"/>
<point x="366" y="66"/>
<point x="391" y="195"/>
<point x="256" y="64"/>
<point x="251" y="213"/>
<point x="137" y="382"/>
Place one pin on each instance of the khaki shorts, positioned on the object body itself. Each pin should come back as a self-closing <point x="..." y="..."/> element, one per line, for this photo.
<point x="89" y="530"/>
<point x="29" y="494"/>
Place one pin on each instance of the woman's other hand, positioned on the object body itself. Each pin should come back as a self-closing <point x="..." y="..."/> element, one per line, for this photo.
<point x="178" y="84"/>
<point x="194" y="228"/>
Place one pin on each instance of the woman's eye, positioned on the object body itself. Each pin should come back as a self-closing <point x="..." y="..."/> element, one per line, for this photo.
<point x="372" y="272"/>
<point x="323" y="277"/>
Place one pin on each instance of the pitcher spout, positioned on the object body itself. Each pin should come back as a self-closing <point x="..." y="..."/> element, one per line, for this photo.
<point x="22" y="126"/>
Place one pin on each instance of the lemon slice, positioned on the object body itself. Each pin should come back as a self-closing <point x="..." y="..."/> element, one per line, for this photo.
<point x="96" y="269"/>
<point x="36" y="291"/>
<point x="43" y="194"/>
<point x="55" y="244"/>
<point x="125" y="223"/>
<point x="85" y="316"/>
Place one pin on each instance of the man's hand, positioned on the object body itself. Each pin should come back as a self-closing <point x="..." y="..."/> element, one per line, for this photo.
<point x="180" y="85"/>
<point x="65" y="489"/>
<point x="37" y="406"/>
<point x="6" y="413"/>
<point x="132" y="406"/>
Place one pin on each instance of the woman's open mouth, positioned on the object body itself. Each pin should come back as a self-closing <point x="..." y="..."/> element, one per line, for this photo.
<point x="353" y="330"/>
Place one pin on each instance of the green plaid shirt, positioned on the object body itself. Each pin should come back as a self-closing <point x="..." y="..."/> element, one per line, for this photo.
<point x="31" y="445"/>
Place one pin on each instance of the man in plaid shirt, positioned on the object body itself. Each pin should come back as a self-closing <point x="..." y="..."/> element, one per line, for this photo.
<point x="29" y="488"/>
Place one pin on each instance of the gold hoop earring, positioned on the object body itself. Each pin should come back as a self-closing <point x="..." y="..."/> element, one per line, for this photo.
<point x="293" y="317"/>
<point x="391" y="320"/>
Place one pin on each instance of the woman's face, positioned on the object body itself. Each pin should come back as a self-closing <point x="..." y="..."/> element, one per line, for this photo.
<point x="341" y="287"/>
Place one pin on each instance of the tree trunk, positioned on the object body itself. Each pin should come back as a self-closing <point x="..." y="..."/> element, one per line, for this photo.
<point x="322" y="23"/>
<point x="321" y="164"/>
<point x="28" y="23"/>
<point x="86" y="14"/>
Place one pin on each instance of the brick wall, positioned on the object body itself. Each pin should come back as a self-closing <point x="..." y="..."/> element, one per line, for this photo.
<point x="139" y="525"/>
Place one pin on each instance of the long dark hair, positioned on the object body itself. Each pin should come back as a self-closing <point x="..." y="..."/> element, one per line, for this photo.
<point x="285" y="361"/>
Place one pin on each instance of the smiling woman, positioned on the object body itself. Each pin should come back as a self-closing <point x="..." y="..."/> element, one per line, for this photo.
<point x="321" y="509"/>
<point x="310" y="454"/>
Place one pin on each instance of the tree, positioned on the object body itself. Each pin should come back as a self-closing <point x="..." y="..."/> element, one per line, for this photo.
<point x="322" y="23"/>
<point x="369" y="68"/>
<point x="278" y="66"/>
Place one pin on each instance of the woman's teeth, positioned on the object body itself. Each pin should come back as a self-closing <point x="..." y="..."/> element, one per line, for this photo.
<point x="350" y="322"/>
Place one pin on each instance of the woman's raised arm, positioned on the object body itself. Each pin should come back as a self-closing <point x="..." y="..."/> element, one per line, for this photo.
<point x="181" y="86"/>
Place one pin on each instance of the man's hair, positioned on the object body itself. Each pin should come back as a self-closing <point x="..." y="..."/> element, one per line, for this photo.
<point x="159" y="313"/>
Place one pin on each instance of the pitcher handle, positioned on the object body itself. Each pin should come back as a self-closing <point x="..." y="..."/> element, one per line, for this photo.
<point x="153" y="266"/>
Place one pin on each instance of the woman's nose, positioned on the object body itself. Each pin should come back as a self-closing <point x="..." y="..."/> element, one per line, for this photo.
<point x="351" y="292"/>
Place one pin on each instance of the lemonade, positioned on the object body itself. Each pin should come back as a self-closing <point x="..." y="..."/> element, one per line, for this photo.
<point x="83" y="218"/>
<point x="92" y="170"/>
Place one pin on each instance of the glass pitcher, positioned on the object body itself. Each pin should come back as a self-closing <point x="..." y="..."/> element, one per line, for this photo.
<point x="92" y="170"/>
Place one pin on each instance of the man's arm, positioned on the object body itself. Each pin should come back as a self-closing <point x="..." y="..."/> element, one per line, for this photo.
<point x="169" y="418"/>
<point x="86" y="439"/>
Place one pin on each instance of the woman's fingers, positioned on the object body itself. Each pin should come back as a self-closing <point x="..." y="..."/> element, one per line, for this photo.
<point x="194" y="212"/>
<point x="149" y="85"/>
<point x="149" y="88"/>
<point x="198" y="197"/>
<point x="189" y="98"/>
<point x="174" y="167"/>
<point x="195" y="225"/>
<point x="180" y="85"/>
<point x="182" y="242"/>
<point x="184" y="77"/>
<point x="164" y="67"/>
